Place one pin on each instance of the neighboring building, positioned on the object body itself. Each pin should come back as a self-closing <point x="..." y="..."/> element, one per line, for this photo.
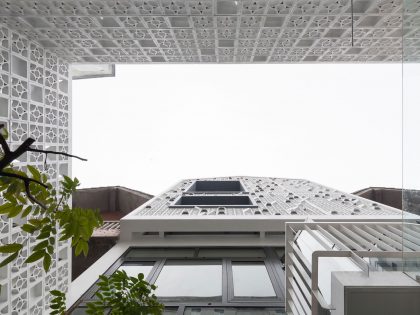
<point x="394" y="197"/>
<point x="222" y="244"/>
<point x="41" y="39"/>
<point x="387" y="196"/>
<point x="113" y="203"/>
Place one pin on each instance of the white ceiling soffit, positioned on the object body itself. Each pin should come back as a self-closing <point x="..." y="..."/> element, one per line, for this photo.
<point x="87" y="71"/>
<point x="217" y="31"/>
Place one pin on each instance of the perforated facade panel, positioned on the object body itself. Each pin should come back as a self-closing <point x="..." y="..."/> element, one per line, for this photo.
<point x="269" y="196"/>
<point x="217" y="31"/>
<point x="34" y="101"/>
<point x="39" y="38"/>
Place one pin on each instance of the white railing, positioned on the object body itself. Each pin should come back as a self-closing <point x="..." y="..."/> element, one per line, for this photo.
<point x="108" y="229"/>
<point x="355" y="241"/>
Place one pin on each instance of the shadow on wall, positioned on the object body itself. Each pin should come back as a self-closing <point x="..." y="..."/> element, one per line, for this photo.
<point x="113" y="203"/>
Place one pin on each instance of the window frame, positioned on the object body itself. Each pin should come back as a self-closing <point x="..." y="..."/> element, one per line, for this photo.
<point x="90" y="293"/>
<point x="271" y="261"/>
<point x="187" y="262"/>
<point x="191" y="188"/>
<point x="270" y="273"/>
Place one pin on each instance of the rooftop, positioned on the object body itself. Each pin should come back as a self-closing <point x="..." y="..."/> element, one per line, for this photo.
<point x="256" y="208"/>
<point x="260" y="196"/>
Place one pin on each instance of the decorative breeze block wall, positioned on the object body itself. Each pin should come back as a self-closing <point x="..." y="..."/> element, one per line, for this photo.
<point x="34" y="102"/>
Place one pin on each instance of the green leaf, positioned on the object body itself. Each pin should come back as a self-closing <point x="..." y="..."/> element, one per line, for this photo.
<point x="35" y="256"/>
<point x="22" y="199"/>
<point x="10" y="197"/>
<point x="15" y="211"/>
<point x="34" y="171"/>
<point x="65" y="236"/>
<point x="5" y="133"/>
<point x="26" y="212"/>
<point x="5" y="208"/>
<point x="43" y="235"/>
<point x="58" y="304"/>
<point x="10" y="248"/>
<point x="35" y="222"/>
<point x="40" y="245"/>
<point x="9" y="259"/>
<point x="124" y="295"/>
<point x="47" y="262"/>
<point x="79" y="248"/>
<point x="28" y="228"/>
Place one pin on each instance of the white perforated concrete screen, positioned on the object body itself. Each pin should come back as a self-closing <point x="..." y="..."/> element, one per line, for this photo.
<point x="34" y="102"/>
<point x="39" y="38"/>
<point x="216" y="31"/>
<point x="260" y="196"/>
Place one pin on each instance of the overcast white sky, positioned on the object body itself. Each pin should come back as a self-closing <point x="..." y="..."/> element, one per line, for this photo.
<point x="153" y="125"/>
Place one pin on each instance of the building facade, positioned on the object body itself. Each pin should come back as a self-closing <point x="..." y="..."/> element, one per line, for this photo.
<point x="113" y="203"/>
<point x="243" y="244"/>
<point x="35" y="92"/>
<point x="39" y="39"/>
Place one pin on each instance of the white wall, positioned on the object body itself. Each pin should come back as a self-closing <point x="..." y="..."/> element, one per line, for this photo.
<point x="34" y="102"/>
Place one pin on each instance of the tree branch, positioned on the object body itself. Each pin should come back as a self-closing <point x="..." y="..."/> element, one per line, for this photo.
<point x="58" y="153"/>
<point x="9" y="156"/>
<point x="3" y="142"/>
<point x="31" y="198"/>
<point x="27" y="181"/>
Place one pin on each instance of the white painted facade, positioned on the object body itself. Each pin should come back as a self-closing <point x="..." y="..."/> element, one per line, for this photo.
<point x="217" y="31"/>
<point x="35" y="101"/>
<point x="272" y="202"/>
<point x="167" y="220"/>
<point x="40" y="38"/>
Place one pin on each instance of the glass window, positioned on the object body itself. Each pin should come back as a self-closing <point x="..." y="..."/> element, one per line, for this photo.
<point x="216" y="186"/>
<point x="231" y="311"/>
<point x="251" y="279"/>
<point x="179" y="279"/>
<point x="134" y="269"/>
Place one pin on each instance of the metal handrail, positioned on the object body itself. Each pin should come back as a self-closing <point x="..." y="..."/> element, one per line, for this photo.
<point x="336" y="234"/>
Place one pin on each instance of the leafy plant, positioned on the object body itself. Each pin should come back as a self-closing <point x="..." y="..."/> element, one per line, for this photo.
<point x="58" y="303"/>
<point x="46" y="215"/>
<point x="42" y="209"/>
<point x="45" y="222"/>
<point x="124" y="295"/>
